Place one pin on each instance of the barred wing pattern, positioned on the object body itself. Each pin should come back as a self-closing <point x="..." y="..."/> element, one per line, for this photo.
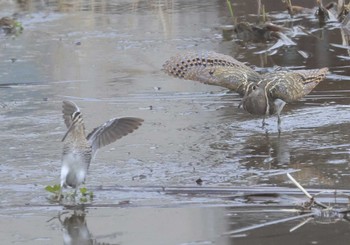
<point x="292" y="85"/>
<point x="112" y="130"/>
<point x="212" y="68"/>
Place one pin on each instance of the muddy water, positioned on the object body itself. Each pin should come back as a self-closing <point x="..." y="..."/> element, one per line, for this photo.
<point x="106" y="56"/>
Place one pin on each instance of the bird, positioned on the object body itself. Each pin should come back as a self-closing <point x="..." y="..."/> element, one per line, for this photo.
<point x="10" y="26"/>
<point x="343" y="15"/>
<point x="79" y="149"/>
<point x="262" y="33"/>
<point x="263" y="94"/>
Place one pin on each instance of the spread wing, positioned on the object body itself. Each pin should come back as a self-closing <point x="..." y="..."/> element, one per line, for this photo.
<point x="112" y="130"/>
<point x="212" y="68"/>
<point x="68" y="108"/>
<point x="292" y="85"/>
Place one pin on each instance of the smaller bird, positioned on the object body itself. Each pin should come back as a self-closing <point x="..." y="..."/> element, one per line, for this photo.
<point x="79" y="149"/>
<point x="344" y="13"/>
<point x="263" y="94"/>
<point x="248" y="32"/>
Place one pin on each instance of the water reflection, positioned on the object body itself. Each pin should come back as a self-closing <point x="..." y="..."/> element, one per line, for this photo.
<point x="75" y="230"/>
<point x="107" y="53"/>
<point x="144" y="225"/>
<point x="345" y="35"/>
<point x="274" y="227"/>
<point x="95" y="6"/>
<point x="274" y="150"/>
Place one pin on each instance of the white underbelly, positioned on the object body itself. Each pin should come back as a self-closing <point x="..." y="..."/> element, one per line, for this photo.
<point x="74" y="170"/>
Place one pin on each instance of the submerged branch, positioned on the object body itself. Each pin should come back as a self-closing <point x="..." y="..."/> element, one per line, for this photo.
<point x="312" y="200"/>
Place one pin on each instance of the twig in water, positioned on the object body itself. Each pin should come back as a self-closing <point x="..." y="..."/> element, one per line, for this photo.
<point x="253" y="227"/>
<point x="312" y="200"/>
<point x="301" y="224"/>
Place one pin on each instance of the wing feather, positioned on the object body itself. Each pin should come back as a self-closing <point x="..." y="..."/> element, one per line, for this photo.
<point x="212" y="68"/>
<point x="112" y="130"/>
<point x="292" y="85"/>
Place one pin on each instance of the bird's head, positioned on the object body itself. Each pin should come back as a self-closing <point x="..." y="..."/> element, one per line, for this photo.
<point x="77" y="119"/>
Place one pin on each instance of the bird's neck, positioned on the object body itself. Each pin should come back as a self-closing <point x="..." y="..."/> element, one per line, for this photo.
<point x="78" y="133"/>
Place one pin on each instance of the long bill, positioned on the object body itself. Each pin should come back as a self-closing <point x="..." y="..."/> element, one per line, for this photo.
<point x="68" y="131"/>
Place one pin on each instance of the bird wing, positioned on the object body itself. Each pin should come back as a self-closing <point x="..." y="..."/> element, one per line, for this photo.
<point x="292" y="85"/>
<point x="112" y="130"/>
<point x="68" y="108"/>
<point x="212" y="68"/>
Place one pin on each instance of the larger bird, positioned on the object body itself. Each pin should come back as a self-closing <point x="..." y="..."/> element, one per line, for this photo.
<point x="79" y="149"/>
<point x="263" y="94"/>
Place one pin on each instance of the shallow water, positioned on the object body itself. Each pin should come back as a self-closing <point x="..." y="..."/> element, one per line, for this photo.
<point x="107" y="56"/>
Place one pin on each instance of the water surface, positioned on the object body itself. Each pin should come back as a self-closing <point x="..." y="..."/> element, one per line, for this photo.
<point x="106" y="56"/>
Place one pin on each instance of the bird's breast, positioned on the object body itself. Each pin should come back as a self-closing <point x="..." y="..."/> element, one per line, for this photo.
<point x="74" y="168"/>
<point x="256" y="103"/>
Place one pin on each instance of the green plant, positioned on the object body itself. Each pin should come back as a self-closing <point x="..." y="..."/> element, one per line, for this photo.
<point x="86" y="195"/>
<point x="55" y="189"/>
<point x="230" y="8"/>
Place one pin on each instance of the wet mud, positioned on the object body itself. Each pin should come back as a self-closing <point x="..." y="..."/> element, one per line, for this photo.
<point x="107" y="57"/>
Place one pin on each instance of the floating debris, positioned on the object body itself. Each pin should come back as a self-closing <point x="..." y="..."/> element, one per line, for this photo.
<point x="344" y="11"/>
<point x="325" y="13"/>
<point x="258" y="33"/>
<point x="311" y="210"/>
<point x="10" y="26"/>
<point x="199" y="181"/>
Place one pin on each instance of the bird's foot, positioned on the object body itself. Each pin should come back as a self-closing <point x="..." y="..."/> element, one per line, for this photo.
<point x="264" y="124"/>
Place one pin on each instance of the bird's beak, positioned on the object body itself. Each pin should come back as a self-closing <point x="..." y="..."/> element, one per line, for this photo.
<point x="68" y="130"/>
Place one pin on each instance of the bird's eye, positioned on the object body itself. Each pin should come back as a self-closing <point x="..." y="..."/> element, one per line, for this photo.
<point x="254" y="87"/>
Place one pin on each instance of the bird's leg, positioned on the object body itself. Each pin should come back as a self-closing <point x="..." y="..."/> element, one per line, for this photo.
<point x="264" y="123"/>
<point x="59" y="199"/>
<point x="279" y="123"/>
<point x="75" y="192"/>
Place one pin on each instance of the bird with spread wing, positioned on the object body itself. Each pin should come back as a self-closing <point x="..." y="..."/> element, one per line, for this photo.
<point x="263" y="94"/>
<point x="79" y="149"/>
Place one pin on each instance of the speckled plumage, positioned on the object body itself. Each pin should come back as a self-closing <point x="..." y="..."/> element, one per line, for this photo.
<point x="212" y="68"/>
<point x="262" y="94"/>
<point x="79" y="149"/>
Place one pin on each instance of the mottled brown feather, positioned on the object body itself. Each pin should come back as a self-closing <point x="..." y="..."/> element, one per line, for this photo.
<point x="112" y="130"/>
<point x="259" y="92"/>
<point x="292" y="85"/>
<point x="212" y="68"/>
